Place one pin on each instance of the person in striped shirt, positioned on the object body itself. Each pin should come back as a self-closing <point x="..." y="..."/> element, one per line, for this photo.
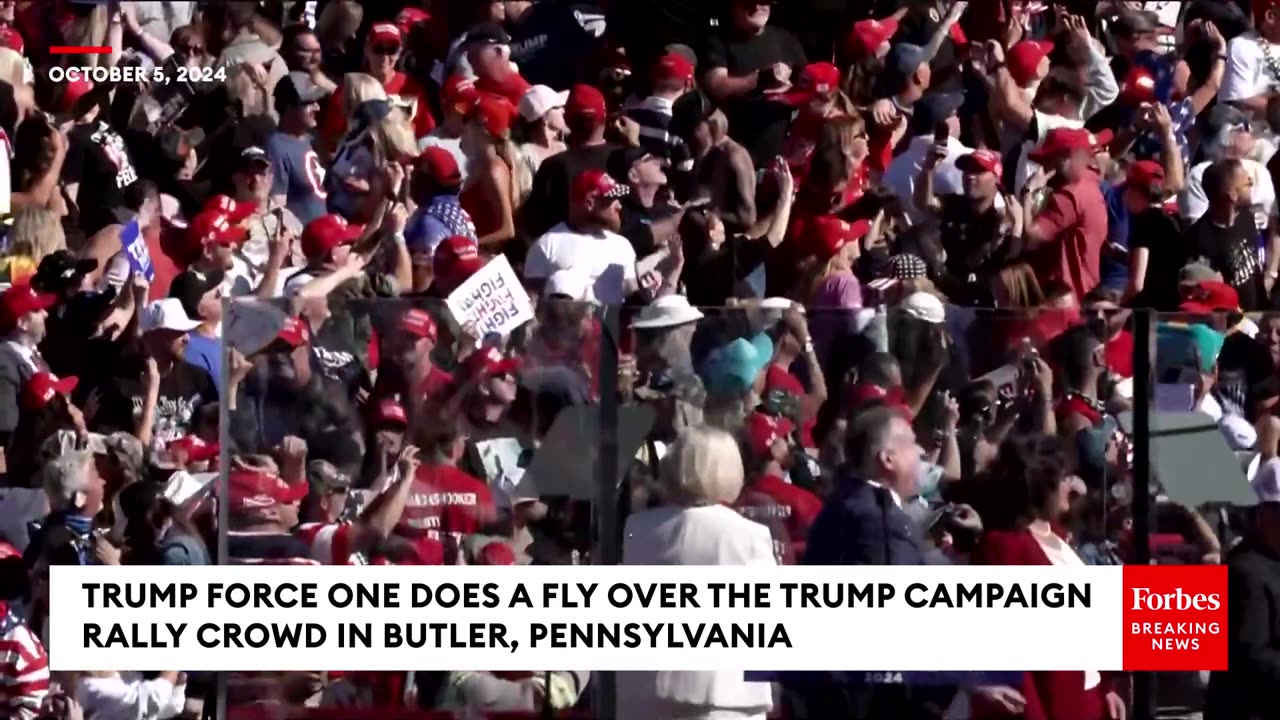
<point x="24" y="667"/>
<point x="672" y="76"/>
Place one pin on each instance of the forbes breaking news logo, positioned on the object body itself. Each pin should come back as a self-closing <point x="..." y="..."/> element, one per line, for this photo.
<point x="1175" y="617"/>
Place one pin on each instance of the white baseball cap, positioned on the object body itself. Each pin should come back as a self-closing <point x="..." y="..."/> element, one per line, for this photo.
<point x="167" y="314"/>
<point x="539" y="100"/>
<point x="573" y="284"/>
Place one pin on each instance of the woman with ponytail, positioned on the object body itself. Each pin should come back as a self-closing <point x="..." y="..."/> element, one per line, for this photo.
<point x="492" y="194"/>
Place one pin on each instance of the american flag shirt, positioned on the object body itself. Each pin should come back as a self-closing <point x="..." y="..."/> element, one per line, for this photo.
<point x="441" y="218"/>
<point x="24" y="668"/>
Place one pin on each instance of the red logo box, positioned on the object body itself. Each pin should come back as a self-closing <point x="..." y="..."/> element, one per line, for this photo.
<point x="1175" y="617"/>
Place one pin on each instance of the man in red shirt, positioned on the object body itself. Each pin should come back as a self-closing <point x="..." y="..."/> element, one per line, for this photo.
<point x="408" y="370"/>
<point x="793" y="343"/>
<point x="1065" y="238"/>
<point x="381" y="52"/>
<point x="446" y="503"/>
<point x="767" y="498"/>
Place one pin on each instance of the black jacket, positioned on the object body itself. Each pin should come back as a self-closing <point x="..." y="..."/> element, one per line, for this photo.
<point x="1250" y="690"/>
<point x="860" y="524"/>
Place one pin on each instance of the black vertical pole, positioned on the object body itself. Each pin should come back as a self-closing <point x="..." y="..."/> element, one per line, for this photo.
<point x="608" y="550"/>
<point x="1143" y="682"/>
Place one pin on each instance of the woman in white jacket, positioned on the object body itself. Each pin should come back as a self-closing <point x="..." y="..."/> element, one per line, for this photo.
<point x="126" y="696"/>
<point x="703" y="469"/>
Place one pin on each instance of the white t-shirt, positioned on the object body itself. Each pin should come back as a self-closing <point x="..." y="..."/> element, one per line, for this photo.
<point x="608" y="259"/>
<point x="905" y="168"/>
<point x="1192" y="202"/>
<point x="1247" y="74"/>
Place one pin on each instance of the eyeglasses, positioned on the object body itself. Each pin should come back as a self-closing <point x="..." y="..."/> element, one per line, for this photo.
<point x="191" y="49"/>
<point x="386" y="49"/>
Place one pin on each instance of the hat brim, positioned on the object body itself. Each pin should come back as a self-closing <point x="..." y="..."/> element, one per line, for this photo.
<point x="683" y="316"/>
<point x="293" y="493"/>
<point x="66" y="385"/>
<point x="1199" y="308"/>
<point x="967" y="163"/>
<point x="233" y="237"/>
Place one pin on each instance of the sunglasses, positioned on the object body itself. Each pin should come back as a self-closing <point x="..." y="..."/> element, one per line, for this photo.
<point x="192" y="49"/>
<point x="386" y="49"/>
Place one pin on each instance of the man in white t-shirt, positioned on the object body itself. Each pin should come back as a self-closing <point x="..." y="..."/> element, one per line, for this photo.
<point x="1225" y="135"/>
<point x="1253" y="68"/>
<point x="929" y="114"/>
<point x="588" y="243"/>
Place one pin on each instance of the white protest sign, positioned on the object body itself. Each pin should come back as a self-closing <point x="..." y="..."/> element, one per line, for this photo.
<point x="491" y="301"/>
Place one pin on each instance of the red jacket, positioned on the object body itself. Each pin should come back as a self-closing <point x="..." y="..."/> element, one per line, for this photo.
<point x="1056" y="695"/>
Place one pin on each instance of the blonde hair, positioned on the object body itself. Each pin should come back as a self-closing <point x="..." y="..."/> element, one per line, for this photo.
<point x="704" y="467"/>
<point x="36" y="233"/>
<point x="393" y="137"/>
<point x="12" y="67"/>
<point x="1020" y="286"/>
<point x="360" y="88"/>
<point x="87" y="31"/>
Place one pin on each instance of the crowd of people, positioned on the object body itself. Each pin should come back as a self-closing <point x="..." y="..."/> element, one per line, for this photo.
<point x="855" y="281"/>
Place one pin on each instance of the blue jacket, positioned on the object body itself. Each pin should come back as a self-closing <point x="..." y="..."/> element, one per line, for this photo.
<point x="861" y="525"/>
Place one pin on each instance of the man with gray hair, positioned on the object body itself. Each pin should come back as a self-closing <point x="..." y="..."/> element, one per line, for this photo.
<point x="76" y="494"/>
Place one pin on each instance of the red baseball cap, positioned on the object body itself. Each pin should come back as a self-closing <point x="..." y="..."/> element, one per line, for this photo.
<point x="212" y="227"/>
<point x="1208" y="297"/>
<point x="294" y="333"/>
<point x="456" y="259"/>
<point x="410" y="16"/>
<point x="1144" y="174"/>
<point x="11" y="39"/>
<point x="193" y="448"/>
<point x="72" y="91"/>
<point x="440" y="165"/>
<point x="459" y="93"/>
<point x="1024" y="59"/>
<point x="261" y="490"/>
<point x="390" y="411"/>
<point x="1139" y="87"/>
<point x="419" y="324"/>
<point x="385" y="32"/>
<point x="866" y="393"/>
<point x="488" y="362"/>
<point x="673" y="66"/>
<point x="868" y="35"/>
<point x="495" y="114"/>
<point x="593" y="184"/>
<point x="816" y="79"/>
<point x="8" y="551"/>
<point x="981" y="161"/>
<point x="18" y="300"/>
<point x="762" y="431"/>
<point x="1062" y="141"/>
<point x="235" y="210"/>
<point x="43" y="387"/>
<point x="828" y="235"/>
<point x="327" y="232"/>
<point x="585" y="101"/>
<point x="495" y="553"/>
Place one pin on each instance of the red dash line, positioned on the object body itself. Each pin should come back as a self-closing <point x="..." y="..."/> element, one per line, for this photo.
<point x="80" y="50"/>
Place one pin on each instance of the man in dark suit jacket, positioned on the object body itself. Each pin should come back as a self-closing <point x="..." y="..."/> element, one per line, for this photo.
<point x="1248" y="690"/>
<point x="862" y="523"/>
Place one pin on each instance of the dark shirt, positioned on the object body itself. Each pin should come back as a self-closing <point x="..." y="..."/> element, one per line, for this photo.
<point x="1231" y="251"/>
<point x="758" y="123"/>
<point x="297" y="175"/>
<point x="714" y="276"/>
<point x="637" y="223"/>
<point x="1160" y="234"/>
<point x="551" y="46"/>
<point x="98" y="160"/>
<point x="183" y="390"/>
<point x="548" y="202"/>
<point x="277" y="547"/>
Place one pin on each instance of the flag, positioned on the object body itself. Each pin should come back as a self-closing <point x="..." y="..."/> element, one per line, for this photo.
<point x="135" y="250"/>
